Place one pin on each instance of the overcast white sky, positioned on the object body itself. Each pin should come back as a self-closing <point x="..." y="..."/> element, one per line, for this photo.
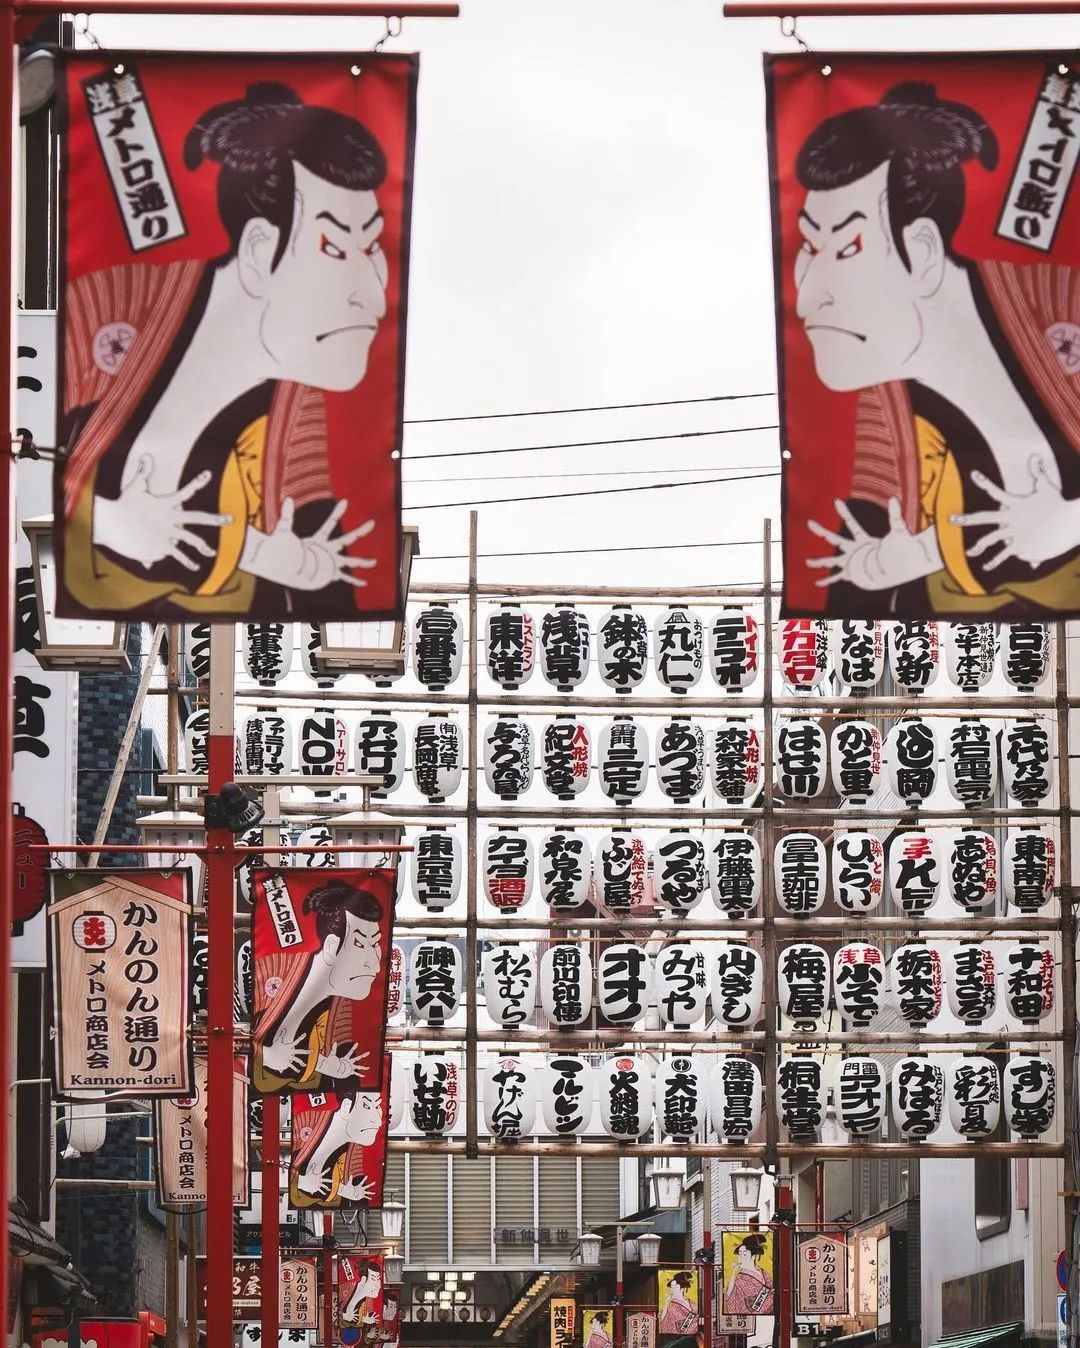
<point x="591" y="226"/>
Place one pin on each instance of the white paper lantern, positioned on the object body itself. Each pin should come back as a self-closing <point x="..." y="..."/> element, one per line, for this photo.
<point x="435" y="981"/>
<point x="971" y="761"/>
<point x="435" y="868"/>
<point x="623" y="759"/>
<point x="915" y="870"/>
<point x="508" y="971"/>
<point x="915" y="653"/>
<point x="682" y="1097"/>
<point x="971" y="870"/>
<point x="508" y="757"/>
<point x="624" y="982"/>
<point x="509" y="1094"/>
<point x="969" y="654"/>
<point x="511" y="646"/>
<point x="855" y="754"/>
<point x="1030" y="1091"/>
<point x="310" y="642"/>
<point x="859" y="1095"/>
<point x="1027" y="970"/>
<point x="396" y="985"/>
<point x="564" y="647"/>
<point x="399" y="1090"/>
<point x="971" y="981"/>
<point x="681" y="985"/>
<point x="266" y="744"/>
<point x="253" y="861"/>
<point x="912" y="757"/>
<point x="973" y="1092"/>
<point x="1027" y="761"/>
<point x="803" y="978"/>
<point x="197" y="651"/>
<point x="244" y="984"/>
<point x="859" y="652"/>
<point x="268" y="650"/>
<point x="626" y="1096"/>
<point x="508" y="868"/>
<point x="734" y="872"/>
<point x="800" y="871"/>
<point x="678" y="647"/>
<point x="918" y="1095"/>
<point x="567" y="1091"/>
<point x="858" y="870"/>
<point x="622" y="648"/>
<point x="679" y="870"/>
<point x="197" y="740"/>
<point x="621" y="869"/>
<point x="802" y="759"/>
<point x="735" y="754"/>
<point x="437" y="1086"/>
<point x="733" y="649"/>
<point x="565" y="757"/>
<point x="317" y="837"/>
<point x="680" y="759"/>
<point x="734" y="1098"/>
<point x="916" y="976"/>
<point x="565" y="868"/>
<point x="801" y="1096"/>
<point x="380" y="751"/>
<point x="859" y="982"/>
<point x="736" y="985"/>
<point x="804" y="651"/>
<point x="438" y="644"/>
<point x="1029" y="867"/>
<point x="566" y="972"/>
<point x="437" y="757"/>
<point x="322" y="745"/>
<point x="1025" y="654"/>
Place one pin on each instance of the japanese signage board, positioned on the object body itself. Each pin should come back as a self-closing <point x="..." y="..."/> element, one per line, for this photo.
<point x="120" y="953"/>
<point x="884" y="1281"/>
<point x="563" y="1321"/>
<point x="298" y="1301"/>
<point x="821" y="1286"/>
<point x="640" y="1330"/>
<point x="747" y="1273"/>
<point x="180" y="1143"/>
<point x="247" y="216"/>
<point x="246" y="1287"/>
<point x="926" y="242"/>
<point x="338" y="1157"/>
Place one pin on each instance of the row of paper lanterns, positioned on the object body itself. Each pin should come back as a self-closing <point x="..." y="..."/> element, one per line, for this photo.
<point x="683" y="976"/>
<point x="689" y="1094"/>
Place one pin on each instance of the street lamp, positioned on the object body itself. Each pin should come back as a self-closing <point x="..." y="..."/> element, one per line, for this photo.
<point x="375" y="647"/>
<point x="745" y="1189"/>
<point x="393" y="1268"/>
<point x="68" y="643"/>
<point x="648" y="1250"/>
<point x="362" y="828"/>
<point x="667" y="1187"/>
<point x="589" y="1245"/>
<point x="393" y="1220"/>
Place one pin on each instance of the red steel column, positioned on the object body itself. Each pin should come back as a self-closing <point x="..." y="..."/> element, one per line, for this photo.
<point x="785" y="1256"/>
<point x="329" y="1328"/>
<point x="708" y="1278"/>
<point x="271" y="1215"/>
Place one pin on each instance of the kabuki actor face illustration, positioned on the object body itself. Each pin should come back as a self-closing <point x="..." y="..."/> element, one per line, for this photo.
<point x="927" y="250"/>
<point x="339" y="1148"/>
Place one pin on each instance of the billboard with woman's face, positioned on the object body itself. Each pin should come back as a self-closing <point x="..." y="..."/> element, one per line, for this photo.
<point x="747" y="1273"/>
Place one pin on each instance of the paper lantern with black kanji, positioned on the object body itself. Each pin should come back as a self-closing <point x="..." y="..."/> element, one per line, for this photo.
<point x="380" y="751"/>
<point x="733" y="649"/>
<point x="915" y="870"/>
<point x="511" y="646"/>
<point x="322" y="745"/>
<point x="680" y="759"/>
<point x="622" y="648"/>
<point x="916" y="976"/>
<point x="915" y="653"/>
<point x="918" y="1096"/>
<point x="508" y="868"/>
<point x="508" y="972"/>
<point x="438" y="644"/>
<point x="859" y="1095"/>
<point x="197" y="651"/>
<point x="567" y="1091"/>
<point x="626" y="1096"/>
<point x="1027" y="761"/>
<point x="678" y="648"/>
<point x="437" y="757"/>
<point x="803" y="978"/>
<point x="682" y="1085"/>
<point x="801" y="1096"/>
<point x="802" y="758"/>
<point x="624" y="982"/>
<point x="1029" y="867"/>
<point x="437" y="1091"/>
<point x="680" y="870"/>
<point x="268" y="650"/>
<point x="565" y="868"/>
<point x="858" y="870"/>
<point x="197" y="740"/>
<point x="803" y="651"/>
<point x="253" y="861"/>
<point x="435" y="981"/>
<point x="566" y="972"/>
<point x="317" y="837"/>
<point x="565" y="643"/>
<point x="973" y="1092"/>
<point x="508" y="751"/>
<point x="1030" y="1092"/>
<point x="858" y="652"/>
<point x="681" y="985"/>
<point x="971" y="761"/>
<point x="736" y="984"/>
<point x="266" y="744"/>
<point x="244" y="985"/>
<point x="734" y="1098"/>
<point x="200" y="965"/>
<point x="1025" y="654"/>
<point x="435" y="868"/>
<point x="971" y="869"/>
<point x="971" y="980"/>
<point x="800" y="872"/>
<point x="565" y="757"/>
<point x="310" y="643"/>
<point x="970" y="651"/>
<point x="855" y="754"/>
<point x="912" y="756"/>
<point x="735" y="755"/>
<point x="399" y="1090"/>
<point x="1027" y="971"/>
<point x="734" y="872"/>
<point x="621" y="869"/>
<point x="622" y="759"/>
<point x="859" y="982"/>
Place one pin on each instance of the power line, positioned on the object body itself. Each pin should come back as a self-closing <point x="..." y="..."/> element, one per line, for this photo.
<point x="585" y="444"/>
<point x="595" y="491"/>
<point x="607" y="407"/>
<point x="612" y="472"/>
<point x="559" y="552"/>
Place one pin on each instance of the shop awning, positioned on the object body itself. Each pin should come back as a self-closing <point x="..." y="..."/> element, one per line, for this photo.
<point x="36" y="1247"/>
<point x="999" y="1336"/>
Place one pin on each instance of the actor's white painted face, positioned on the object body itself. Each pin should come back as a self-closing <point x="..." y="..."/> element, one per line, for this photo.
<point x="355" y="964"/>
<point x="858" y="302"/>
<point x="365" y="1118"/>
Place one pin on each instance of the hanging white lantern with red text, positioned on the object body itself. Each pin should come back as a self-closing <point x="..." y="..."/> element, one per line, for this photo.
<point x="437" y="757"/>
<point x="803" y="978"/>
<point x="912" y="756"/>
<point x="508" y="757"/>
<point x="915" y="653"/>
<point x="801" y="1096"/>
<point x="508" y="973"/>
<point x="680" y="871"/>
<point x="858" y="870"/>
<point x="565" y="757"/>
<point x="918" y="1096"/>
<point x="1027" y="970"/>
<point x="804" y="651"/>
<point x="508" y="868"/>
<point x="971" y="981"/>
<point x="858" y="652"/>
<point x="681" y="985"/>
<point x="437" y="1087"/>
<point x="859" y="1095"/>
<point x="509" y="1094"/>
<point x="802" y="759"/>
<point x="859" y="982"/>
<point x="435" y="867"/>
<point x="266" y="744"/>
<point x="566" y="972"/>
<point x="736" y="984"/>
<point x="623" y="759"/>
<point x="973" y="1092"/>
<point x="268" y="650"/>
<point x="915" y="870"/>
<point x="735" y="754"/>
<point x="1027" y="761"/>
<point x="1030" y="1091"/>
<point x="396" y="986"/>
<point x="971" y="761"/>
<point x="735" y="871"/>
<point x="734" y="1097"/>
<point x="567" y="1091"/>
<point x="971" y="870"/>
<point x="435" y="981"/>
<point x="564" y="647"/>
<point x="626" y="1096"/>
<point x="916" y="976"/>
<point x="680" y="759"/>
<point x="733" y="649"/>
<point x="322" y="745"/>
<point x="1029" y="867"/>
<point x="438" y="645"/>
<point x="197" y="741"/>
<point x="380" y="751"/>
<point x="622" y="648"/>
<point x="1025" y="654"/>
<point x="621" y="869"/>
<point x="197" y="651"/>
<point x="855" y="755"/>
<point x="565" y="868"/>
<point x="511" y="646"/>
<point x="678" y="648"/>
<point x="682" y="1084"/>
<point x="970" y="651"/>
<point x="624" y="982"/>
<point x="800" y="871"/>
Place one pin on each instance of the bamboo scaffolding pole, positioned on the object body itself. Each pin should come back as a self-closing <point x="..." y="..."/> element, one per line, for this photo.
<point x="632" y="1150"/>
<point x="771" y="997"/>
<point x="471" y="972"/>
<point x="533" y="1038"/>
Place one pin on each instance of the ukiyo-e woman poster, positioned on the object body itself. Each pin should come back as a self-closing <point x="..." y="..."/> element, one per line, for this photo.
<point x="926" y="225"/>
<point x="235" y="255"/>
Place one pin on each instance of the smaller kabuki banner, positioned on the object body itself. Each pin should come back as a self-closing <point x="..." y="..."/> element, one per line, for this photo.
<point x="597" y="1328"/>
<point x="234" y="254"/>
<point x="926" y="236"/>
<point x="747" y="1272"/>
<point x="298" y="1300"/>
<point x="322" y="961"/>
<point x="120" y="952"/>
<point x="338" y="1155"/>
<point x="676" y="1304"/>
<point x="563" y="1321"/>
<point x="359" y="1294"/>
<point x="640" y="1330"/>
<point x="821" y="1278"/>
<point x="180" y="1143"/>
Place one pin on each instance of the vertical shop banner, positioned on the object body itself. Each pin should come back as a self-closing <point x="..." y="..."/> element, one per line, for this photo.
<point x="821" y="1285"/>
<point x="926" y="232"/>
<point x="180" y="1143"/>
<point x="120" y="954"/>
<point x="390" y="1331"/>
<point x="338" y="1157"/>
<point x="234" y="253"/>
<point x="563" y="1321"/>
<point x="677" y="1306"/>
<point x="298" y="1300"/>
<point x="322" y="963"/>
<point x="640" y="1330"/>
<point x="597" y="1327"/>
<point x="359" y="1296"/>
<point x="747" y="1273"/>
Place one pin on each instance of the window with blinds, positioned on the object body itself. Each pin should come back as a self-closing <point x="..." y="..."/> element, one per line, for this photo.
<point x="514" y="1209"/>
<point x="427" y="1219"/>
<point x="472" y="1209"/>
<point x="558" y="1207"/>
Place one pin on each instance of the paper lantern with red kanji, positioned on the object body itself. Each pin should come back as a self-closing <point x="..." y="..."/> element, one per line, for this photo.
<point x="435" y="867"/>
<point x="802" y="758"/>
<point x="736" y="983"/>
<point x="859" y="1095"/>
<point x="565" y="643"/>
<point x="916" y="977"/>
<point x="565" y="868"/>
<point x="735" y="869"/>
<point x="1027" y="761"/>
<point x="565" y="757"/>
<point x="800" y="872"/>
<point x="804" y="651"/>
<point x="682" y="1084"/>
<point x="971" y="869"/>
<point x="437" y="757"/>
<point x="380" y="751"/>
<point x="1030" y="1091"/>
<point x="915" y="653"/>
<point x="438" y="645"/>
<point x="509" y="1095"/>
<point x="622" y="648"/>
<point x="435" y="981"/>
<point x="971" y="761"/>
<point x="859" y="982"/>
<point x="736" y="746"/>
<point x="623" y="759"/>
<point x="396" y="985"/>
<point x="678" y="646"/>
<point x="680" y="759"/>
<point x="511" y="646"/>
<point x="855" y="754"/>
<point x="858" y="870"/>
<point x="268" y="652"/>
<point x="508" y="868"/>
<point x="858" y="652"/>
<point x="322" y="745"/>
<point x="30" y="869"/>
<point x="918" y="1096"/>
<point x="1027" y="970"/>
<point x="437" y="1086"/>
<point x="973" y="1092"/>
<point x="1025" y="654"/>
<point x="801" y="1096"/>
<point x="734" y="1097"/>
<point x="508" y="973"/>
<point x="970" y="651"/>
<point x="621" y="869"/>
<point x="566" y="972"/>
<point x="971" y="980"/>
<point x="912" y="757"/>
<point x="1029" y="867"/>
<point x="681" y="985"/>
<point x="624" y="982"/>
<point x="733" y="649"/>
<point x="567" y="1093"/>
<point x="915" y="870"/>
<point x="802" y="982"/>
<point x="680" y="870"/>
<point x="508" y="750"/>
<point x="626" y="1096"/>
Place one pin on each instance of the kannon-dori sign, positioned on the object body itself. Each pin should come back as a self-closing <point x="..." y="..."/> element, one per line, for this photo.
<point x="298" y="1302"/>
<point x="180" y="1143"/>
<point x="821" y="1277"/>
<point x="927" y="241"/>
<point x="234" y="250"/>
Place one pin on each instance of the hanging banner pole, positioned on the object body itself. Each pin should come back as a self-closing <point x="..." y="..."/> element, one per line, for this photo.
<point x="895" y="9"/>
<point x="271" y="1138"/>
<point x="329" y="1328"/>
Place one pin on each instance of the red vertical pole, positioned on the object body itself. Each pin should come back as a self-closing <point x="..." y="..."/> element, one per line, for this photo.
<point x="329" y="1328"/>
<point x="785" y="1254"/>
<point x="708" y="1278"/>
<point x="819" y="1193"/>
<point x="271" y="1218"/>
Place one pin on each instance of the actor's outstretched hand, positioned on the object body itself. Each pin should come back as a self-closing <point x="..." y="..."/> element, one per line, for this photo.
<point x="876" y="563"/>
<point x="1032" y="526"/>
<point x="309" y="563"/>
<point x="146" y="528"/>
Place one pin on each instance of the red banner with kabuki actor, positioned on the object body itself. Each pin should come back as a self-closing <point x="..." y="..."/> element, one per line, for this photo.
<point x="338" y="1155"/>
<point x="360" y="1297"/>
<point x="234" y="252"/>
<point x="926" y="224"/>
<point x="322" y="956"/>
